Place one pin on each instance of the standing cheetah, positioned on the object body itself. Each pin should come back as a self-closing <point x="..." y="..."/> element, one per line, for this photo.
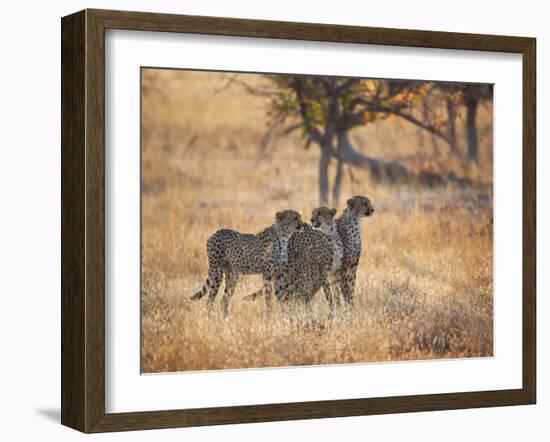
<point x="232" y="254"/>
<point x="314" y="258"/>
<point x="349" y="228"/>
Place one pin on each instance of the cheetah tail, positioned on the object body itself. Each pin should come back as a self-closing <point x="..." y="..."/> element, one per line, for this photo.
<point x="202" y="291"/>
<point x="254" y="296"/>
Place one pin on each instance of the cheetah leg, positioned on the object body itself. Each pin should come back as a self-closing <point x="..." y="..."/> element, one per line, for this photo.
<point x="213" y="272"/>
<point x="352" y="285"/>
<point x="286" y="286"/>
<point x="216" y="281"/>
<point x="343" y="283"/>
<point x="348" y="284"/>
<point x="308" y="310"/>
<point x="230" y="283"/>
<point x="280" y="289"/>
<point x="329" y="297"/>
<point x="335" y="279"/>
<point x="268" y="292"/>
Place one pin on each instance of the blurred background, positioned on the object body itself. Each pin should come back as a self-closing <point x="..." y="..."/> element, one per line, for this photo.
<point x="229" y="150"/>
<point x="414" y="133"/>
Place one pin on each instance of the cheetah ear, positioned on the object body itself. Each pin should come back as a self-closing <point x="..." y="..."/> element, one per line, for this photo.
<point x="279" y="216"/>
<point x="332" y="212"/>
<point x="351" y="203"/>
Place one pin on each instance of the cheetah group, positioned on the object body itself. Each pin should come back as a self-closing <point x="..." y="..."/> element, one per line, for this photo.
<point x="295" y="259"/>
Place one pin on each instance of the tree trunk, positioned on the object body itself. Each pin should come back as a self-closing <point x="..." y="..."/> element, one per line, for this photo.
<point x="425" y="115"/>
<point x="451" y="115"/>
<point x="337" y="180"/>
<point x="324" y="161"/>
<point x="471" y="127"/>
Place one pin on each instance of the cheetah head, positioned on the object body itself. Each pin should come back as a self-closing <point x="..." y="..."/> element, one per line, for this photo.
<point x="323" y="218"/>
<point x="360" y="206"/>
<point x="289" y="221"/>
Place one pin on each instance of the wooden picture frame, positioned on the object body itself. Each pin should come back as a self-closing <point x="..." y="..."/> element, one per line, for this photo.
<point x="83" y="220"/>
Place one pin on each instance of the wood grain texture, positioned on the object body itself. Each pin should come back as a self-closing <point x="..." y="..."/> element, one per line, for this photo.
<point x="144" y="21"/>
<point x="73" y="128"/>
<point x="95" y="221"/>
<point x="83" y="220"/>
<point x="529" y="220"/>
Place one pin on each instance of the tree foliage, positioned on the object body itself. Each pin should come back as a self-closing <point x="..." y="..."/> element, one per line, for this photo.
<point x="325" y="109"/>
<point x="320" y="106"/>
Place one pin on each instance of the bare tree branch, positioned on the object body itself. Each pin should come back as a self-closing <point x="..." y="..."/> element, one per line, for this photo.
<point x="270" y="133"/>
<point x="357" y="117"/>
<point x="292" y="128"/>
<point x="426" y="126"/>
<point x="226" y="86"/>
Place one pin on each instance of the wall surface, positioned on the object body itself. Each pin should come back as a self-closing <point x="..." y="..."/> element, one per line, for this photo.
<point x="30" y="216"/>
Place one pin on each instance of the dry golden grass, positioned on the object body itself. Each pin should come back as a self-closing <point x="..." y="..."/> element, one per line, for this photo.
<point x="425" y="280"/>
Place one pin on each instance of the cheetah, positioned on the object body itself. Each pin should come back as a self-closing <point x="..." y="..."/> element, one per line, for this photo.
<point x="314" y="257"/>
<point x="349" y="229"/>
<point x="233" y="254"/>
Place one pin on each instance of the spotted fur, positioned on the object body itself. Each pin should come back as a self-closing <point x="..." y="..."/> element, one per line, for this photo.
<point x="232" y="254"/>
<point x="349" y="228"/>
<point x="314" y="258"/>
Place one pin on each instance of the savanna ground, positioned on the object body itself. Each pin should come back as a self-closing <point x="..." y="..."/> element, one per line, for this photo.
<point x="425" y="279"/>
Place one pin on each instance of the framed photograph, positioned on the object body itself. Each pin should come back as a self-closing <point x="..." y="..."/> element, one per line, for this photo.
<point x="267" y="221"/>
